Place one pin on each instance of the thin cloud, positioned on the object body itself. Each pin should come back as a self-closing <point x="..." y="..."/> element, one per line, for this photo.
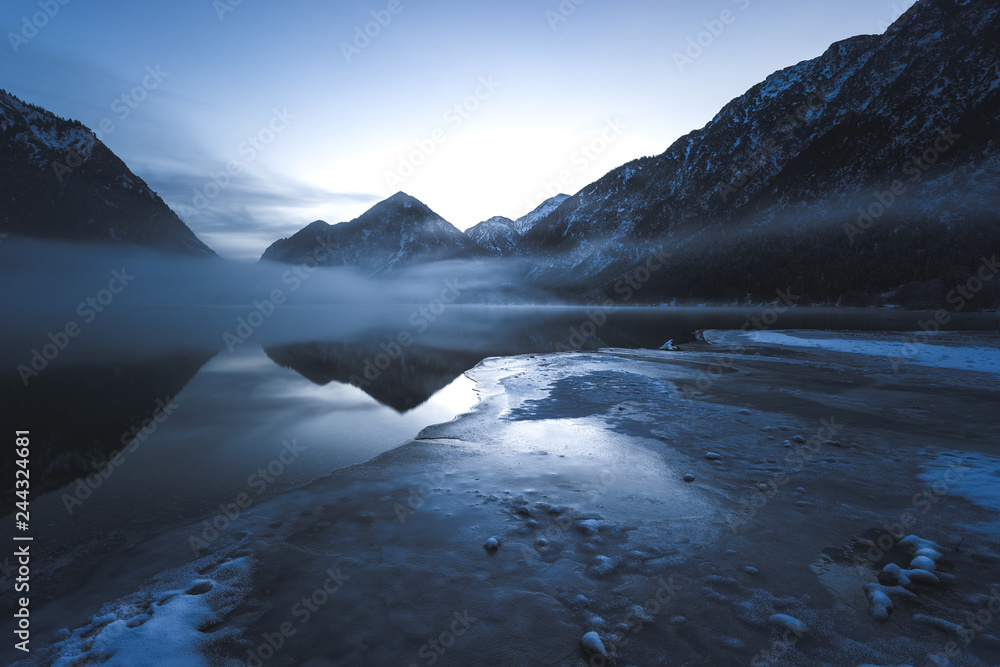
<point x="251" y="212"/>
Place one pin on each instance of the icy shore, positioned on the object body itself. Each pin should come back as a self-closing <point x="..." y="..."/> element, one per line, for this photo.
<point x="822" y="461"/>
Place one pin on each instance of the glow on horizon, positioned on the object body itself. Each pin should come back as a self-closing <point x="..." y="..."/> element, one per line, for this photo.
<point x="495" y="103"/>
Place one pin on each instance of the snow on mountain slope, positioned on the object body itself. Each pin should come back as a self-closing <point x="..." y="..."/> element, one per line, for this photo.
<point x="807" y="148"/>
<point x="58" y="181"/>
<point x="501" y="234"/>
<point x="525" y="223"/>
<point x="497" y="234"/>
<point x="398" y="232"/>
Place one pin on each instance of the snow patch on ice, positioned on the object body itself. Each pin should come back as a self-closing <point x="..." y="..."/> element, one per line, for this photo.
<point x="973" y="476"/>
<point x="983" y="359"/>
<point x="161" y="624"/>
<point x="166" y="638"/>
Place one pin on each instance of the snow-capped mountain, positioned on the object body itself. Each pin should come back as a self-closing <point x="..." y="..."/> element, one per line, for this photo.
<point x="526" y="222"/>
<point x="501" y="234"/>
<point x="395" y="233"/>
<point x="775" y="190"/>
<point x="497" y="234"/>
<point x="58" y="181"/>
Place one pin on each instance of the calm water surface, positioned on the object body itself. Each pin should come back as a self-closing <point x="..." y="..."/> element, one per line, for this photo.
<point x="291" y="405"/>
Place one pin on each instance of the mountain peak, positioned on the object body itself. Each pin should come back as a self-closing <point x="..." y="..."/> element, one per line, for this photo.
<point x="497" y="220"/>
<point x="402" y="203"/>
<point x="501" y="235"/>
<point x="525" y="223"/>
<point x="397" y="232"/>
<point x="60" y="182"/>
<point x="498" y="234"/>
<point x="403" y="199"/>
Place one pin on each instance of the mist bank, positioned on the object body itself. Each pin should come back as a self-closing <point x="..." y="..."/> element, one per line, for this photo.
<point x="914" y="259"/>
<point x="103" y="298"/>
<point x="90" y="304"/>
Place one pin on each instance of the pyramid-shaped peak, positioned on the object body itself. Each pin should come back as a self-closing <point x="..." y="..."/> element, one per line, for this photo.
<point x="400" y="207"/>
<point x="401" y="198"/>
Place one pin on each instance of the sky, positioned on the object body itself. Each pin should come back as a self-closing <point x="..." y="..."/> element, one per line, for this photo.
<point x="251" y="119"/>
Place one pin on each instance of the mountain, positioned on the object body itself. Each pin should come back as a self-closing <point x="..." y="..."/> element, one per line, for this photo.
<point x="872" y="166"/>
<point x="501" y="234"/>
<point x="58" y="181"/>
<point x="527" y="222"/>
<point x="395" y="233"/>
<point x="497" y="234"/>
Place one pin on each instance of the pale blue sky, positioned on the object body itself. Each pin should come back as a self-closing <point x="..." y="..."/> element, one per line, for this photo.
<point x="555" y="81"/>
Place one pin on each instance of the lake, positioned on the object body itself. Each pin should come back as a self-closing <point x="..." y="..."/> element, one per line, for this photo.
<point x="288" y="405"/>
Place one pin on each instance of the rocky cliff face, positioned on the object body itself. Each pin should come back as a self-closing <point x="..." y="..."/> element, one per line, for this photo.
<point x="396" y="233"/>
<point x="498" y="235"/>
<point x="58" y="181"/>
<point x="874" y="149"/>
<point x="501" y="235"/>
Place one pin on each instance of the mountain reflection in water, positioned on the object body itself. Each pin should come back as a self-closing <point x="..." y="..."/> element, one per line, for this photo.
<point x="341" y="401"/>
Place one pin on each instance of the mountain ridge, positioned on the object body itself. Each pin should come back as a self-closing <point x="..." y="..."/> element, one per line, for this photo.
<point x="501" y="235"/>
<point x="847" y="122"/>
<point x="61" y="182"/>
<point x="403" y="231"/>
